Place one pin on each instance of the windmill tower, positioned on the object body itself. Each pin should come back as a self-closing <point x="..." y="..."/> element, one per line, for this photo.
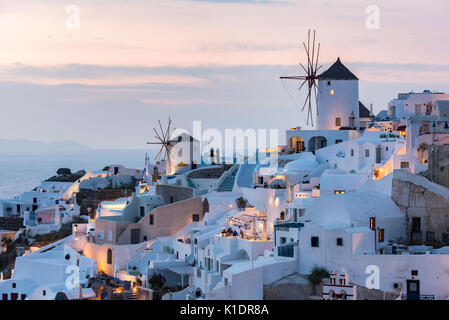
<point x="338" y="99"/>
<point x="334" y="93"/>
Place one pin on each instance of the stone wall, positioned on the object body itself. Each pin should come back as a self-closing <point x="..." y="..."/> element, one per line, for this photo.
<point x="92" y="198"/>
<point x="172" y="194"/>
<point x="419" y="198"/>
<point x="438" y="170"/>
<point x="11" y="223"/>
<point x="209" y="173"/>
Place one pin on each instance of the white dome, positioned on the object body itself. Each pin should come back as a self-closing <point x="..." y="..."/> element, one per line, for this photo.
<point x="302" y="165"/>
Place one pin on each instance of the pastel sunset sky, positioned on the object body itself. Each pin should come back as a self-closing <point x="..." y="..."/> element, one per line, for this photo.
<point x="133" y="62"/>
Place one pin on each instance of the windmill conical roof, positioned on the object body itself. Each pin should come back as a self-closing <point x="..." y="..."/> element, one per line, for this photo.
<point x="337" y="71"/>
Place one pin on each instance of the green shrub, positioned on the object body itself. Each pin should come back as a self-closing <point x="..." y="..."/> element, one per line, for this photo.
<point x="318" y="274"/>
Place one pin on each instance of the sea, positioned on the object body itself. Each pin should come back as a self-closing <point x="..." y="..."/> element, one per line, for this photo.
<point x="21" y="172"/>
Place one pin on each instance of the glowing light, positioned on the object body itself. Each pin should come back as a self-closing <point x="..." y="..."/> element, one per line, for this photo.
<point x="332" y="92"/>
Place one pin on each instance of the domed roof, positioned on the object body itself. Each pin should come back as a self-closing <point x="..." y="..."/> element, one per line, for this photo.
<point x="301" y="165"/>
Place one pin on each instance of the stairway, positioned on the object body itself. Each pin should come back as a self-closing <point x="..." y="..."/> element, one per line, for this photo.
<point x="228" y="183"/>
<point x="129" y="295"/>
<point x="191" y="185"/>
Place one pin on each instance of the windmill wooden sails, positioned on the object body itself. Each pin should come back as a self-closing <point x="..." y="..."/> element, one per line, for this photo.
<point x="310" y="76"/>
<point x="163" y="139"/>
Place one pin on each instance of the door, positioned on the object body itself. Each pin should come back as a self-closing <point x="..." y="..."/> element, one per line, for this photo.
<point x="378" y="154"/>
<point x="4" y="296"/>
<point x="135" y="236"/>
<point x="413" y="290"/>
<point x="14" y="296"/>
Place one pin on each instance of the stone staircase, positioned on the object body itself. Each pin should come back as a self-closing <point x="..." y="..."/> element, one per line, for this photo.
<point x="228" y="183"/>
<point x="129" y="295"/>
<point x="191" y="185"/>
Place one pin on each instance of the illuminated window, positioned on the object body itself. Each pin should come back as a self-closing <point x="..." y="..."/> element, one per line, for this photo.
<point x="372" y="223"/>
<point x="332" y="92"/>
<point x="381" y="235"/>
<point x="339" y="192"/>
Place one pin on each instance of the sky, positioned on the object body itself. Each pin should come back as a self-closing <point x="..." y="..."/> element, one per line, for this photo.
<point x="133" y="62"/>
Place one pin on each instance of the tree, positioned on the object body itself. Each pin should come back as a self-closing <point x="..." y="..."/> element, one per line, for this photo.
<point x="317" y="275"/>
<point x="241" y="203"/>
<point x="6" y="243"/>
<point x="212" y="155"/>
<point x="156" y="281"/>
<point x="64" y="172"/>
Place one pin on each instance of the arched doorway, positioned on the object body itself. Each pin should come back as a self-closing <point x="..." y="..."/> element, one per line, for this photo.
<point x="316" y="143"/>
<point x="296" y="144"/>
<point x="109" y="257"/>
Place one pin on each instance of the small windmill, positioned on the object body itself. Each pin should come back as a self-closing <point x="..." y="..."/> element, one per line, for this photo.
<point x="310" y="78"/>
<point x="163" y="138"/>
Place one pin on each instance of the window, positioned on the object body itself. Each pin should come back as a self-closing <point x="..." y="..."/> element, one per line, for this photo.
<point x="414" y="273"/>
<point x="101" y="234"/>
<point x="340" y="242"/>
<point x="372" y="223"/>
<point x="109" y="235"/>
<point x="416" y="224"/>
<point x="14" y="285"/>
<point x="430" y="236"/>
<point x="352" y="152"/>
<point x="315" y="242"/>
<point x="405" y="165"/>
<point x="367" y="153"/>
<point x="418" y="109"/>
<point x="196" y="217"/>
<point x="226" y="282"/>
<point x="198" y="273"/>
<point x="171" y="199"/>
<point x="145" y="238"/>
<point x="338" y="122"/>
<point x="339" y="191"/>
<point x="445" y="237"/>
<point x="109" y="257"/>
<point x="283" y="240"/>
<point x="332" y="92"/>
<point x="142" y="211"/>
<point x="151" y="219"/>
<point x="44" y="293"/>
<point x="328" y="83"/>
<point x="381" y="235"/>
<point x="338" y="141"/>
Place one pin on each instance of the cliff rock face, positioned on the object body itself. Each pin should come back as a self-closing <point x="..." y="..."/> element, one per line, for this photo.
<point x="89" y="198"/>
